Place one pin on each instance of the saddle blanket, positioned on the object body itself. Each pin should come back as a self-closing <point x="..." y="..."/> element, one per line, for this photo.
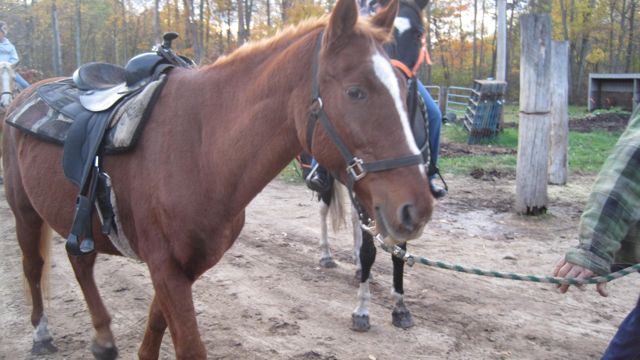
<point x="60" y="102"/>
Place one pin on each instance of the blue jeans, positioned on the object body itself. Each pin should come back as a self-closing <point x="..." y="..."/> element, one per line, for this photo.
<point x="625" y="344"/>
<point x="435" y="123"/>
<point x="21" y="82"/>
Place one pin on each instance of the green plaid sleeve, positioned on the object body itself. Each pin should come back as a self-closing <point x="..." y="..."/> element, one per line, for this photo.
<point x="613" y="206"/>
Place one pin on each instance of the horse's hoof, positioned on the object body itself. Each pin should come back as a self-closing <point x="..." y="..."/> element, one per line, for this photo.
<point x="44" y="347"/>
<point x="360" y="323"/>
<point x="401" y="318"/>
<point x="328" y="263"/>
<point x="103" y="353"/>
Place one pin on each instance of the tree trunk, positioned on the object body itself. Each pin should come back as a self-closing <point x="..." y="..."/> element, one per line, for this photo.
<point x="192" y="29"/>
<point x="57" y="51"/>
<point x="481" y="63"/>
<point x="535" y="121"/>
<point x="268" y="3"/>
<point x="475" y="39"/>
<point x="501" y="61"/>
<point x="156" y="22"/>
<point x="559" y="159"/>
<point x="612" y="8"/>
<point x="429" y="46"/>
<point x="621" y="36"/>
<point x="248" y="12"/>
<point x="627" y="64"/>
<point x="125" y="34"/>
<point x="241" y="29"/>
<point x="443" y="58"/>
<point x="77" y="35"/>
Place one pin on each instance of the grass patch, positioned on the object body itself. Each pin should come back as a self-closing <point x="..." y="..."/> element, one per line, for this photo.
<point x="587" y="151"/>
<point x="291" y="173"/>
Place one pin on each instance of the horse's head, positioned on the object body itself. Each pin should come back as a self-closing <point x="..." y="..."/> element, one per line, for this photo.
<point x="359" y="127"/>
<point x="7" y="84"/>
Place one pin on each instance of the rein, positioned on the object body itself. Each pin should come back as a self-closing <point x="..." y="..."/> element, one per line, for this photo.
<point x="411" y="259"/>
<point x="356" y="168"/>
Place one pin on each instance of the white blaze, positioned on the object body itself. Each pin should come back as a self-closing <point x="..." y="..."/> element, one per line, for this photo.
<point x="387" y="76"/>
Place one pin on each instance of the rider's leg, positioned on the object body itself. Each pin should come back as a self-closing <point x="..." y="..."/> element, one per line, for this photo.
<point x="21" y="82"/>
<point x="435" y="123"/>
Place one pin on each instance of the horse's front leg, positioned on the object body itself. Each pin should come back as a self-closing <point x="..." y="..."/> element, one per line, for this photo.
<point x="156" y="326"/>
<point x="173" y="294"/>
<point x="360" y="316"/>
<point x="400" y="317"/>
<point x="103" y="346"/>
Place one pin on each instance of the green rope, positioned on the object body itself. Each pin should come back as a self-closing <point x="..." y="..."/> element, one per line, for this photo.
<point x="411" y="259"/>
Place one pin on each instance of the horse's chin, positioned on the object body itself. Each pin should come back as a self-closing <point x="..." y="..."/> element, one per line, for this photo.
<point x="391" y="235"/>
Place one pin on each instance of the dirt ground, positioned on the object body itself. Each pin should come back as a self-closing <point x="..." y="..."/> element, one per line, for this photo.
<point x="269" y="299"/>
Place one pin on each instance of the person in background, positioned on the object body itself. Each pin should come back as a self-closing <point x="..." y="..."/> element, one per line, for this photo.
<point x="408" y="49"/>
<point x="9" y="54"/>
<point x="609" y="232"/>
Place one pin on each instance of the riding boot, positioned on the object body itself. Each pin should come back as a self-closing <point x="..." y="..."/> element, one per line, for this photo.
<point x="318" y="179"/>
<point x="437" y="191"/>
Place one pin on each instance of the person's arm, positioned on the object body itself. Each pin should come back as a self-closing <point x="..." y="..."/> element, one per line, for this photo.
<point x="610" y="211"/>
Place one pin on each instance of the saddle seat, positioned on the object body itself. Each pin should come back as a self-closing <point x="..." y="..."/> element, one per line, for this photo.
<point x="105" y="84"/>
<point x="98" y="76"/>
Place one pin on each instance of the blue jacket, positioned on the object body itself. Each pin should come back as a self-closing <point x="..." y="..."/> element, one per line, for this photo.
<point x="8" y="52"/>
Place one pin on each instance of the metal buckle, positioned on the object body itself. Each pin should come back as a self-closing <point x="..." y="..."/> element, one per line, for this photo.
<point x="355" y="169"/>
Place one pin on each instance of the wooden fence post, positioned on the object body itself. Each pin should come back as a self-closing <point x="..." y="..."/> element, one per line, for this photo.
<point x="535" y="119"/>
<point x="559" y="158"/>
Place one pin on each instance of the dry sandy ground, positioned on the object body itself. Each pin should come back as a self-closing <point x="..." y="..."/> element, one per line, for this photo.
<point x="269" y="299"/>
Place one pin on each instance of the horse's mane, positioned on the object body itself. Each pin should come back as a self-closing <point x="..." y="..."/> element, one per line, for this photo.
<point x="292" y="32"/>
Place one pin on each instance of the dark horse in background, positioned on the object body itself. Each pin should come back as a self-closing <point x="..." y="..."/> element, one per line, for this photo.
<point x="182" y="191"/>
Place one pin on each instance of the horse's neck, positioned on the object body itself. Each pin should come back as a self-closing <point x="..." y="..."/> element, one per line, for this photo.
<point x="256" y="137"/>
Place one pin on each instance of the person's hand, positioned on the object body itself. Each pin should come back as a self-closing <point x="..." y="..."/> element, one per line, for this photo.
<point x="566" y="269"/>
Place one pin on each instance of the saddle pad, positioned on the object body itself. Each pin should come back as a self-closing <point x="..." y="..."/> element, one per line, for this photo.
<point x="59" y="101"/>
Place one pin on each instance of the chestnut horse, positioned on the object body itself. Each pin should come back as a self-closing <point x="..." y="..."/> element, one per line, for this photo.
<point x="181" y="192"/>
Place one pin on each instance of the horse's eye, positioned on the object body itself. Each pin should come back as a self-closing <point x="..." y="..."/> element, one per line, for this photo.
<point x="356" y="93"/>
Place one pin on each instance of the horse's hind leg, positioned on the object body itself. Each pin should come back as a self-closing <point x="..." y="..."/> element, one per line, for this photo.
<point x="33" y="237"/>
<point x="103" y="346"/>
<point x="156" y="326"/>
<point x="326" y="260"/>
<point x="360" y="316"/>
<point x="357" y="241"/>
<point x="400" y="317"/>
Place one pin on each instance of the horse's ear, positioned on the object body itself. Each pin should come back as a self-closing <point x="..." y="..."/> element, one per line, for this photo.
<point x="384" y="18"/>
<point x="343" y="20"/>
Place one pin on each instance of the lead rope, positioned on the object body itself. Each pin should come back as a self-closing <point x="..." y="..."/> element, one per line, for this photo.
<point x="411" y="259"/>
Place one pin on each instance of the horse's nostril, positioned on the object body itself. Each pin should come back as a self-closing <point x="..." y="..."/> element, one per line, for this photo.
<point x="408" y="216"/>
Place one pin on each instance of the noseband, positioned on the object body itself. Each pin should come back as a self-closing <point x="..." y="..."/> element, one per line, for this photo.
<point x="356" y="167"/>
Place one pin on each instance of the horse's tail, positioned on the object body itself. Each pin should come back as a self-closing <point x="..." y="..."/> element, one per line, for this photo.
<point x="44" y="247"/>
<point x="336" y="207"/>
